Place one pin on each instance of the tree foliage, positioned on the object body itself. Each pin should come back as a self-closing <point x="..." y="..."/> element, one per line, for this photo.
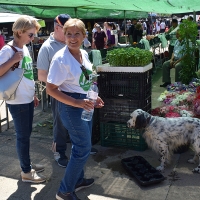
<point x="188" y="33"/>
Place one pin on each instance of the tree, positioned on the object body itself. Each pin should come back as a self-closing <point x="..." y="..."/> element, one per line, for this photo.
<point x="188" y="32"/>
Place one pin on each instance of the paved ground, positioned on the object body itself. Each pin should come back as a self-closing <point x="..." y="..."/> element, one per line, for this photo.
<point x="112" y="181"/>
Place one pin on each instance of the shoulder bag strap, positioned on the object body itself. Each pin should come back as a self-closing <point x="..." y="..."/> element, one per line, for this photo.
<point x="16" y="64"/>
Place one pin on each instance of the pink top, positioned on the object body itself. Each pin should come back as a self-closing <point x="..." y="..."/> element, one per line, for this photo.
<point x="2" y="42"/>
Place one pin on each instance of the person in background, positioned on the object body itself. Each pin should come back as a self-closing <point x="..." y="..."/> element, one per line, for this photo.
<point x="100" y="38"/>
<point x="54" y="43"/>
<point x="198" y="27"/>
<point x="128" y="25"/>
<point x="138" y="31"/>
<point x="149" y="28"/>
<point x="105" y="27"/>
<point x="86" y="42"/>
<point x="117" y="34"/>
<point x="174" y="62"/>
<point x="157" y="27"/>
<point x="22" y="107"/>
<point x="190" y="18"/>
<point x="172" y="36"/>
<point x="93" y="31"/>
<point x="162" y="27"/>
<point x="2" y="41"/>
<point x="111" y="36"/>
<point x="144" y="27"/>
<point x="68" y="81"/>
<point x="132" y="36"/>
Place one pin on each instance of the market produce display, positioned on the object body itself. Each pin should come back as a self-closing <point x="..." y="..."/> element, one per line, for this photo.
<point x="129" y="57"/>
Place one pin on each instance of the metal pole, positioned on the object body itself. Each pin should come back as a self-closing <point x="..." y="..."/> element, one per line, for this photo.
<point x="194" y="16"/>
<point x="75" y="11"/>
<point x="125" y="26"/>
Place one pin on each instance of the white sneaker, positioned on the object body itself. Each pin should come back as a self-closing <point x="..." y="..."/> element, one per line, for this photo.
<point x="56" y="156"/>
<point x="32" y="177"/>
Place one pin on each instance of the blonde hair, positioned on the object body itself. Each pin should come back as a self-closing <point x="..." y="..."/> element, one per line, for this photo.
<point x="23" y="24"/>
<point x="74" y="22"/>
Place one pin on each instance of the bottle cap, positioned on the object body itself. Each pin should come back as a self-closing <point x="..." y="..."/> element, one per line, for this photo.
<point x="95" y="83"/>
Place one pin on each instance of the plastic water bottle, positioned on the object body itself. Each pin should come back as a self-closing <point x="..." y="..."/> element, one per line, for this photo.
<point x="92" y="96"/>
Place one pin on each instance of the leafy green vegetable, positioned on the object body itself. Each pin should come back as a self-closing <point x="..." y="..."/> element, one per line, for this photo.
<point x="129" y="57"/>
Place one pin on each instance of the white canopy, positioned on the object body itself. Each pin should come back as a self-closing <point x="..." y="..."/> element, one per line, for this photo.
<point x="9" y="17"/>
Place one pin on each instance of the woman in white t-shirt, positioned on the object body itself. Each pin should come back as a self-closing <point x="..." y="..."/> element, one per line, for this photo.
<point x="68" y="81"/>
<point x="22" y="107"/>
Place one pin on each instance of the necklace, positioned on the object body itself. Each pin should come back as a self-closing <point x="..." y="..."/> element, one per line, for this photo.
<point x="15" y="44"/>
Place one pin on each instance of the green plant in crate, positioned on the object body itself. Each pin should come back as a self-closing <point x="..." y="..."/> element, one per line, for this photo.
<point x="129" y="57"/>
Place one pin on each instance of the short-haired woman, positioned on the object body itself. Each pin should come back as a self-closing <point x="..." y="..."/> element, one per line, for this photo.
<point x="100" y="38"/>
<point x="22" y="107"/>
<point x="68" y="81"/>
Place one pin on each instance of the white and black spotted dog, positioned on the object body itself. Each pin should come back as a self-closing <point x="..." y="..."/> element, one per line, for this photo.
<point x="166" y="134"/>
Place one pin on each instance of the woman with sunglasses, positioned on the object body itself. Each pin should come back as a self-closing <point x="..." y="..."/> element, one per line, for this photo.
<point x="22" y="107"/>
<point x="68" y="81"/>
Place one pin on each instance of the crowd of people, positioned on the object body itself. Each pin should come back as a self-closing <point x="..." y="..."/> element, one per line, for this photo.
<point x="105" y="36"/>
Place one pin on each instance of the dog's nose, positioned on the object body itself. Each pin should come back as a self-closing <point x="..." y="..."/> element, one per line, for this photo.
<point x="128" y="124"/>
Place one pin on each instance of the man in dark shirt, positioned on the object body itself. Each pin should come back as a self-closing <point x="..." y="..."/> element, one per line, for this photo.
<point x="132" y="31"/>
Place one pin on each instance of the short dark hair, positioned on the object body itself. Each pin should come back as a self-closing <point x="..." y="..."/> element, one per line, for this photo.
<point x="190" y="18"/>
<point x="174" y="21"/>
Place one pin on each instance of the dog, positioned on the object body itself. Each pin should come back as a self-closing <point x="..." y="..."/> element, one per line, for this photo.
<point x="164" y="135"/>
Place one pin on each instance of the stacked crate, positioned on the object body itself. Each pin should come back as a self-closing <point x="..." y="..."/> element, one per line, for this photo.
<point x="122" y="93"/>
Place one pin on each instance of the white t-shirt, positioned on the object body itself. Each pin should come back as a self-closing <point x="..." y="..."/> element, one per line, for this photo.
<point x="94" y="30"/>
<point x="65" y="72"/>
<point x="158" y="26"/>
<point x="26" y="89"/>
<point x="162" y="25"/>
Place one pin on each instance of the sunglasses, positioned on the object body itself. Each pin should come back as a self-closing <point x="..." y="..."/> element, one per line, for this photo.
<point x="31" y="35"/>
<point x="84" y="70"/>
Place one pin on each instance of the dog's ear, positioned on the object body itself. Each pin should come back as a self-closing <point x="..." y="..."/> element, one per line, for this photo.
<point x="142" y="120"/>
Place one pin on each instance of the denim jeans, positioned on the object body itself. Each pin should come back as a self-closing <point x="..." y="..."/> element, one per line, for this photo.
<point x="80" y="134"/>
<point x="22" y="115"/>
<point x="60" y="133"/>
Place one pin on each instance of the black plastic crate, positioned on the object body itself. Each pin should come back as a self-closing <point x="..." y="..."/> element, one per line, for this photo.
<point x="127" y="85"/>
<point x="119" y="110"/>
<point x="142" y="171"/>
<point x="95" y="127"/>
<point x="118" y="134"/>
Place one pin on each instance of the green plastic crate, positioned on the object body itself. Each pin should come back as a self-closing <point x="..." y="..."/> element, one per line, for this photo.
<point x="118" y="134"/>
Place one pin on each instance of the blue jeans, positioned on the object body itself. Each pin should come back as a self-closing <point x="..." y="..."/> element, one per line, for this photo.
<point x="80" y="134"/>
<point x="22" y="115"/>
<point x="60" y="133"/>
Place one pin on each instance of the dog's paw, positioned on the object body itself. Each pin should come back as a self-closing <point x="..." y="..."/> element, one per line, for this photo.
<point x="192" y="161"/>
<point x="196" y="170"/>
<point x="160" y="168"/>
